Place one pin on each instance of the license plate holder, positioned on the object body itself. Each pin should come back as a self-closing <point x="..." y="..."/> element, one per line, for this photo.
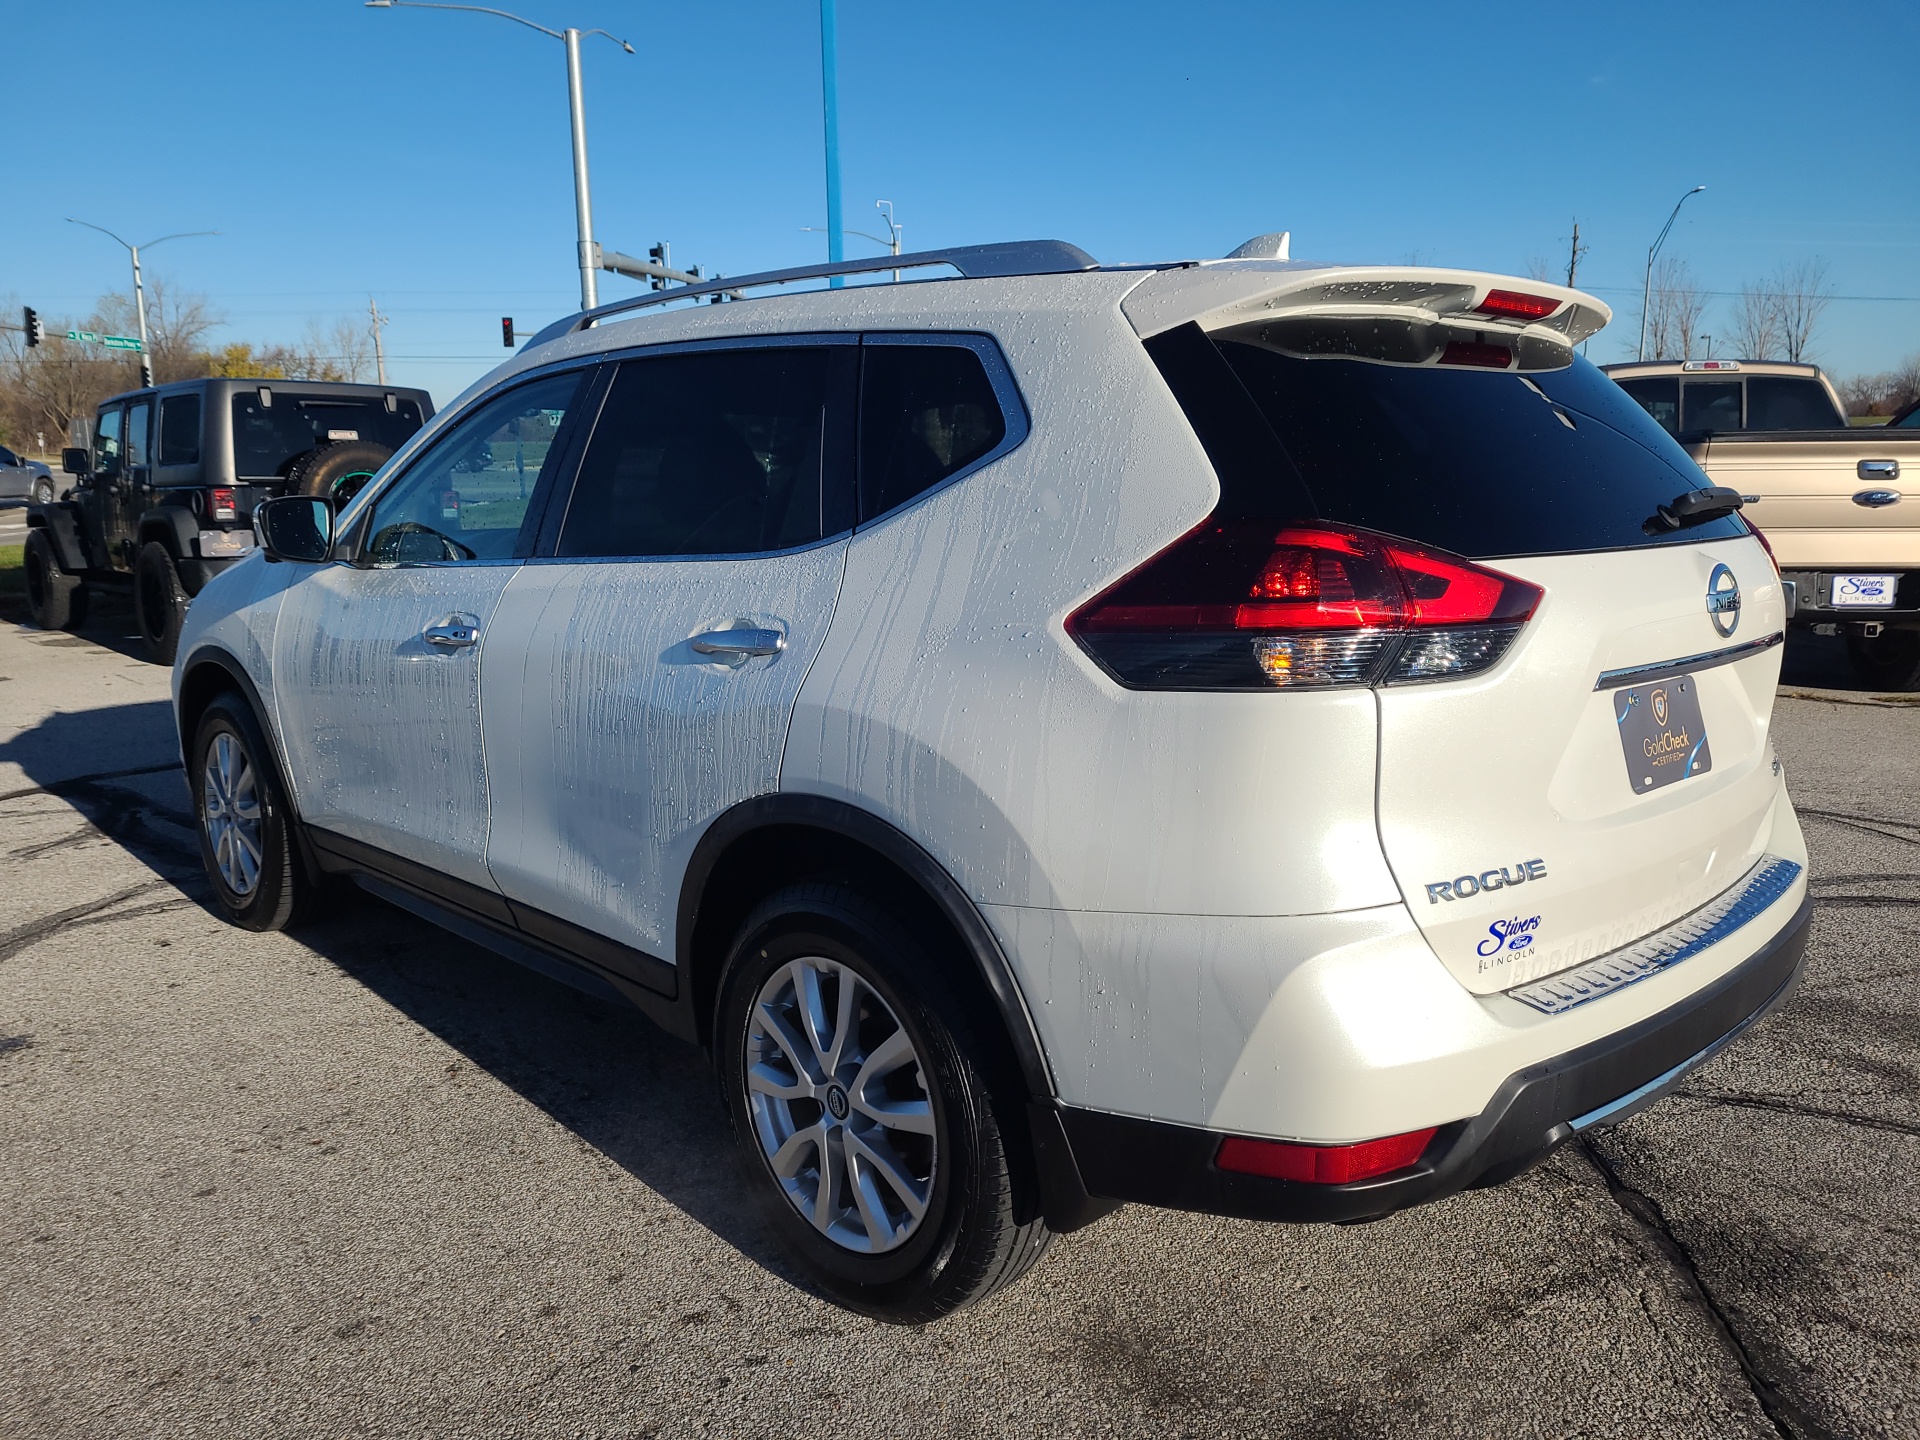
<point x="1662" y="733"/>
<point x="1862" y="592"/>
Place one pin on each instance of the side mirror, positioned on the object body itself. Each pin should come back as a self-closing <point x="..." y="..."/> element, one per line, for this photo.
<point x="75" y="461"/>
<point x="294" y="527"/>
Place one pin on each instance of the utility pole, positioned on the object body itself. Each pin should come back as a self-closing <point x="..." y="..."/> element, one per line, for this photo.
<point x="1573" y="256"/>
<point x="1646" y="299"/>
<point x="576" y="113"/>
<point x="139" y="289"/>
<point x="830" y="104"/>
<point x="378" y="322"/>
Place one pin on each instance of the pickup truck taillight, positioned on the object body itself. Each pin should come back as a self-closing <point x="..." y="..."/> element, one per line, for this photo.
<point x="220" y="504"/>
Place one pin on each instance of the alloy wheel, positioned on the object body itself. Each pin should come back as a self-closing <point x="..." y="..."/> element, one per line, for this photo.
<point x="230" y="812"/>
<point x="840" y="1108"/>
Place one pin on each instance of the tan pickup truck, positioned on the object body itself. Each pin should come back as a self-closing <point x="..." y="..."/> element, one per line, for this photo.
<point x="1829" y="498"/>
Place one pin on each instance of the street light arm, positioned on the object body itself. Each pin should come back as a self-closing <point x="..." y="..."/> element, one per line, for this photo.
<point x="476" y="9"/>
<point x="102" y="229"/>
<point x="611" y="36"/>
<point x="179" y="235"/>
<point x="1670" y="219"/>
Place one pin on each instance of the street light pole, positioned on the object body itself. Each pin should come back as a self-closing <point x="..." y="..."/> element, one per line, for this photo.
<point x="139" y="289"/>
<point x="830" y="104"/>
<point x="1646" y="298"/>
<point x="577" y="113"/>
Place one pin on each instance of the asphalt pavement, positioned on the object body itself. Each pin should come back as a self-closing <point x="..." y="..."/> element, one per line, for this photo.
<point x="374" y="1181"/>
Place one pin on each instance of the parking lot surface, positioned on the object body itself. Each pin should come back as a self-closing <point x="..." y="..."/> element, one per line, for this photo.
<point x="373" y="1181"/>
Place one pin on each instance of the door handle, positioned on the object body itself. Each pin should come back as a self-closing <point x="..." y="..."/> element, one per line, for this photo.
<point x="739" y="642"/>
<point x="1878" y="469"/>
<point x="456" y="632"/>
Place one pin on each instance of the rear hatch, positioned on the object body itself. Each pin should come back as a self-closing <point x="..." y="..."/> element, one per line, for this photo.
<point x="1609" y="769"/>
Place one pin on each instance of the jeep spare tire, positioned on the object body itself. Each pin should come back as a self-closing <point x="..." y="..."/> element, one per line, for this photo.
<point x="336" y="472"/>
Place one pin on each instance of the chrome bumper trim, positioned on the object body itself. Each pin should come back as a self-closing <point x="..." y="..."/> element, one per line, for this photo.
<point x="1770" y="878"/>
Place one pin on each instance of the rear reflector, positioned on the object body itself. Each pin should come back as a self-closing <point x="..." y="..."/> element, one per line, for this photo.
<point x="1322" y="1164"/>
<point x="1514" y="304"/>
<point x="1248" y="605"/>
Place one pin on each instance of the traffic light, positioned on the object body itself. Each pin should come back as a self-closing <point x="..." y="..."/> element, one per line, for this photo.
<point x="506" y="331"/>
<point x="658" y="254"/>
<point x="36" y="332"/>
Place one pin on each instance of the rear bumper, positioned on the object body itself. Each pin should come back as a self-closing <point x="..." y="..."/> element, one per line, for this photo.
<point x="1537" y="1109"/>
<point x="1814" y="596"/>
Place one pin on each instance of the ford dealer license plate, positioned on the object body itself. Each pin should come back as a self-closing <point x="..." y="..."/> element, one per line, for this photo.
<point x="1863" y="591"/>
<point x="1661" y="732"/>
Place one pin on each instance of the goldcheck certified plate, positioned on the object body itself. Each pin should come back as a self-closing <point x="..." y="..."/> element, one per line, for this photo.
<point x="1661" y="732"/>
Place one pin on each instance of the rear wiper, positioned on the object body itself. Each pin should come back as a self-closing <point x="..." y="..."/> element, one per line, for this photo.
<point x="1695" y="507"/>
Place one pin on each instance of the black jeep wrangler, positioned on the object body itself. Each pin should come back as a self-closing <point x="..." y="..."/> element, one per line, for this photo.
<point x="164" y="495"/>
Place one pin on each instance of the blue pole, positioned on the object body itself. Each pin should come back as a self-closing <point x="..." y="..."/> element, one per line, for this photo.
<point x="830" y="102"/>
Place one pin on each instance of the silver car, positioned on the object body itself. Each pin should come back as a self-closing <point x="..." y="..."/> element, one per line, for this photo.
<point x="24" y="479"/>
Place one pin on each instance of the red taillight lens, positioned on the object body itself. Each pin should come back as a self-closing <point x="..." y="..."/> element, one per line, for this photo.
<point x="1241" y="605"/>
<point x="1772" y="559"/>
<point x="1322" y="1164"/>
<point x="220" y="504"/>
<point x="1485" y="357"/>
<point x="1517" y="306"/>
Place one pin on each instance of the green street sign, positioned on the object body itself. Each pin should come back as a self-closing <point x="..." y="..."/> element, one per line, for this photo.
<point x="86" y="335"/>
<point x="120" y="342"/>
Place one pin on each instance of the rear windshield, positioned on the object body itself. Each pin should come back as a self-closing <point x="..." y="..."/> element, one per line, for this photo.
<point x="267" y="438"/>
<point x="1480" y="463"/>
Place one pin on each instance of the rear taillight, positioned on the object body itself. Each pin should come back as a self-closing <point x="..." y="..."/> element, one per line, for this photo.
<point x="220" y="504"/>
<point x="1246" y="605"/>
<point x="1772" y="559"/>
<point x="1322" y="1164"/>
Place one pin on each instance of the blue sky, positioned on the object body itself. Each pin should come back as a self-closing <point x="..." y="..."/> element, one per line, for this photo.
<point x="421" y="157"/>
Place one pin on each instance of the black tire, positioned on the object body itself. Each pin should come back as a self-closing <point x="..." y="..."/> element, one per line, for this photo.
<point x="336" y="472"/>
<point x="970" y="1240"/>
<point x="43" y="491"/>
<point x="282" y="893"/>
<point x="159" y="602"/>
<point x="55" y="599"/>
<point x="1887" y="661"/>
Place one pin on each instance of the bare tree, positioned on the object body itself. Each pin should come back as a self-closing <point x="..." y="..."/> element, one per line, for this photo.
<point x="177" y="327"/>
<point x="1673" y="312"/>
<point x="1539" y="269"/>
<point x="1756" y="323"/>
<point x="1802" y="294"/>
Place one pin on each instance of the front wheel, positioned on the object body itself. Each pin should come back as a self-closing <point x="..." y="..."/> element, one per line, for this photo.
<point x="43" y="491"/>
<point x="246" y="826"/>
<point x="159" y="602"/>
<point x="859" y="1093"/>
<point x="1887" y="661"/>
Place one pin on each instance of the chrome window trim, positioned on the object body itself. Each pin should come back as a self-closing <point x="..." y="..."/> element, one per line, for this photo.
<point x="837" y="538"/>
<point x="1687" y="664"/>
<point x="1013" y="405"/>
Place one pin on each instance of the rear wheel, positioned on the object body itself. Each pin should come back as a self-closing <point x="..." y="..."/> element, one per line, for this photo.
<point x="246" y="826"/>
<point x="159" y="602"/>
<point x="1887" y="661"/>
<point x="874" y="1138"/>
<point x="55" y="599"/>
<point x="43" y="491"/>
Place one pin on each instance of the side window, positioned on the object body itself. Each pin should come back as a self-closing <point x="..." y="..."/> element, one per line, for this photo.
<point x="1659" y="396"/>
<point x="106" y="442"/>
<point x="1785" y="402"/>
<point x="139" y="417"/>
<point x="717" y="452"/>
<point x="466" y="497"/>
<point x="1711" y="405"/>
<point x="180" y="430"/>
<point x="926" y="412"/>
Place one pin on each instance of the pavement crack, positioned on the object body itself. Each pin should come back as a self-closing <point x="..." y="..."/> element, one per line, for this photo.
<point x="60" y="787"/>
<point x="1740" y="1101"/>
<point x="1872" y="824"/>
<point x="1784" y="1414"/>
<point x="13" y="941"/>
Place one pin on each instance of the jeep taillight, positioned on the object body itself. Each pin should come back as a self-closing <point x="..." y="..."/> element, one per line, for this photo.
<point x="1248" y="605"/>
<point x="220" y="504"/>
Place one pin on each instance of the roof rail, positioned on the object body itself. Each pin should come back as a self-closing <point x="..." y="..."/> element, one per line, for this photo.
<point x="974" y="262"/>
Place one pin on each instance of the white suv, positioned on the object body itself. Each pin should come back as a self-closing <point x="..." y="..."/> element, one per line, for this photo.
<point x="1227" y="735"/>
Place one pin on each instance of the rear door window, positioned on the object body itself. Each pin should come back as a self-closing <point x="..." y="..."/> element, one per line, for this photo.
<point x="739" y="451"/>
<point x="1710" y="405"/>
<point x="139" y="418"/>
<point x="180" y="430"/>
<point x="927" y="412"/>
<point x="1480" y="463"/>
<point x="1784" y="402"/>
<point x="274" y="425"/>
<point x="1659" y="396"/>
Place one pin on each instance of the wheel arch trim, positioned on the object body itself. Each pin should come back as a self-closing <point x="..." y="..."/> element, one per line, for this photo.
<point x="797" y="810"/>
